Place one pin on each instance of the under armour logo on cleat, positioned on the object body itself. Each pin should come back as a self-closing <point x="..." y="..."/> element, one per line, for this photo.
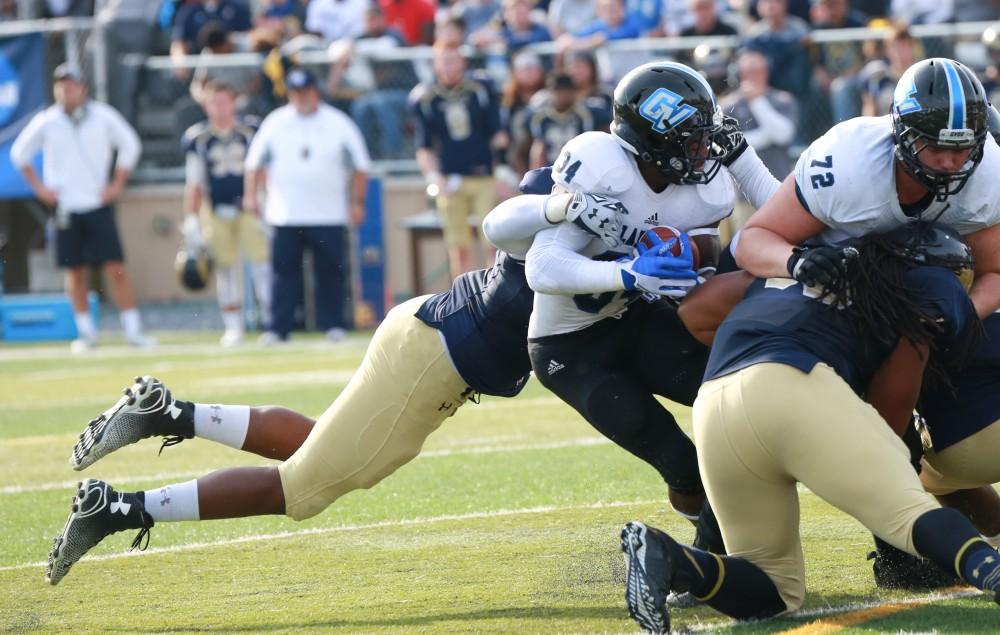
<point x="120" y="506"/>
<point x="216" y="414"/>
<point x="555" y="367"/>
<point x="164" y="497"/>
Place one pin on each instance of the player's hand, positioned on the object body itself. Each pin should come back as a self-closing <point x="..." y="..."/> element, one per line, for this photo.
<point x="191" y="231"/>
<point x="357" y="213"/>
<point x="597" y="215"/>
<point x="659" y="273"/>
<point x="819" y="266"/>
<point x="47" y="196"/>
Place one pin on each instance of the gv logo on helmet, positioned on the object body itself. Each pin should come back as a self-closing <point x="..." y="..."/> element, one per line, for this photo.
<point x="666" y="109"/>
<point x="905" y="100"/>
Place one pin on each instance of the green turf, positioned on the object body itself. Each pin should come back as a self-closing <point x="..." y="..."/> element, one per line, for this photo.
<point x="508" y="524"/>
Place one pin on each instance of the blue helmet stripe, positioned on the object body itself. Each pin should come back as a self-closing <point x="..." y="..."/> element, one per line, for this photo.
<point x="957" y="94"/>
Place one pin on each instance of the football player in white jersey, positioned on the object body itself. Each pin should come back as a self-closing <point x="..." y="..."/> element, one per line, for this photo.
<point x="930" y="160"/>
<point x="668" y="159"/>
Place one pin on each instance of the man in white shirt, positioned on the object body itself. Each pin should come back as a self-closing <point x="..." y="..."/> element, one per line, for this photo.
<point x="308" y="151"/>
<point x="336" y="19"/>
<point x="78" y="136"/>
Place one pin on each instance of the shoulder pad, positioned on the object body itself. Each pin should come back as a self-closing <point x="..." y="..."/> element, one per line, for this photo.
<point x="594" y="162"/>
<point x="191" y="135"/>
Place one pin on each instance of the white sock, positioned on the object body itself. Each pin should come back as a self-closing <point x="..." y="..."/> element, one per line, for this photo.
<point x="993" y="540"/>
<point x="85" y="326"/>
<point x="173" y="502"/>
<point x="233" y="320"/>
<point x="223" y="424"/>
<point x="131" y="322"/>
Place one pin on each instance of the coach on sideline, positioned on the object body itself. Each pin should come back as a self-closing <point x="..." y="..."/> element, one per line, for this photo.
<point x="308" y="151"/>
<point x="78" y="137"/>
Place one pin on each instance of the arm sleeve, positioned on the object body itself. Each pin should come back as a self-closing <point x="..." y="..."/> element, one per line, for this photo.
<point x="753" y="177"/>
<point x="513" y="223"/>
<point x="780" y="128"/>
<point x="124" y="138"/>
<point x="554" y="266"/>
<point x="28" y="143"/>
<point x="258" y="154"/>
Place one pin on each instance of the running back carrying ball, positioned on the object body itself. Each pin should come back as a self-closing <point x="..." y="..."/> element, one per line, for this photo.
<point x="671" y="237"/>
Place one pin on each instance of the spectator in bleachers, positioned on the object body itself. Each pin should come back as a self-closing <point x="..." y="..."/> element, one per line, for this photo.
<point x="458" y="129"/>
<point x="705" y="20"/>
<point x="527" y="78"/>
<point x="336" y="19"/>
<point x="767" y="116"/>
<point x="612" y="23"/>
<point x="193" y="15"/>
<point x="129" y="38"/>
<point x="582" y="67"/>
<point x="517" y="29"/>
<point x="798" y="8"/>
<point x="873" y="9"/>
<point x="316" y="167"/>
<point x="413" y="18"/>
<point x="649" y="14"/>
<point x="976" y="10"/>
<point x="922" y="11"/>
<point x="380" y="109"/>
<point x="475" y="13"/>
<point x="285" y="17"/>
<point x="562" y="117"/>
<point x="57" y="9"/>
<point x="714" y="62"/>
<point x="838" y="62"/>
<point x="8" y="10"/>
<point x="570" y="16"/>
<point x="879" y="77"/>
<point x="450" y="31"/>
<point x="782" y="39"/>
<point x="991" y="75"/>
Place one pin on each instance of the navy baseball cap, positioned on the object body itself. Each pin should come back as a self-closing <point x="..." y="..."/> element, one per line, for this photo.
<point x="299" y="79"/>
<point x="68" y="71"/>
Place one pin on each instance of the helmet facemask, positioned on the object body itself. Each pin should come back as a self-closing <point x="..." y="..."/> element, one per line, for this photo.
<point x="910" y="142"/>
<point x="693" y="152"/>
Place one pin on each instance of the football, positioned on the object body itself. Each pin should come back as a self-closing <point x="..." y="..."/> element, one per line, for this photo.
<point x="668" y="234"/>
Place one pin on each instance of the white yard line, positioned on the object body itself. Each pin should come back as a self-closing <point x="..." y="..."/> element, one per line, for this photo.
<point x="576" y="442"/>
<point x="546" y="509"/>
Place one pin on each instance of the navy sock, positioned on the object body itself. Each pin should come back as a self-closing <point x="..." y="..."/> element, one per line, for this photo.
<point x="949" y="539"/>
<point x="732" y="586"/>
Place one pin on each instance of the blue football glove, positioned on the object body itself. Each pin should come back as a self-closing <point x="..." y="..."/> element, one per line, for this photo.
<point x="655" y="271"/>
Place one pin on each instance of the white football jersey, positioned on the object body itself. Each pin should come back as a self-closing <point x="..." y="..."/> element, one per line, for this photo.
<point x="595" y="163"/>
<point x="846" y="179"/>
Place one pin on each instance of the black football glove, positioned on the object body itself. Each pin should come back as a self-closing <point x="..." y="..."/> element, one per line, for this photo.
<point x="819" y="266"/>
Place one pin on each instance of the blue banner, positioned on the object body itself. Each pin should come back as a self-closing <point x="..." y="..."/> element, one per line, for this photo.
<point x="22" y="94"/>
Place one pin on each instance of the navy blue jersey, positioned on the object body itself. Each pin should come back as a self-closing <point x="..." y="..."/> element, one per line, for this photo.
<point x="457" y="124"/>
<point x="974" y="404"/>
<point x="555" y="128"/>
<point x="215" y="160"/>
<point x="484" y="320"/>
<point x="778" y="322"/>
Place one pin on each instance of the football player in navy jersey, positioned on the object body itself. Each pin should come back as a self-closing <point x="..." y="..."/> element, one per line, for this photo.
<point x="931" y="159"/>
<point x="561" y="117"/>
<point x="429" y="356"/>
<point x="781" y="405"/>
<point x="213" y="199"/>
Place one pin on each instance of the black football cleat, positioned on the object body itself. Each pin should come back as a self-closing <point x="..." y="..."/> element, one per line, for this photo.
<point x="98" y="511"/>
<point x="146" y="410"/>
<point x="649" y="571"/>
<point x="896" y="569"/>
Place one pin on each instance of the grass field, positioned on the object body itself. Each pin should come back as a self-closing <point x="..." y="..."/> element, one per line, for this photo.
<point x="507" y="523"/>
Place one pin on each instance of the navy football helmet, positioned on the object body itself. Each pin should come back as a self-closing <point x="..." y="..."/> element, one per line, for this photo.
<point x="193" y="267"/>
<point x="665" y="113"/>
<point x="934" y="244"/>
<point x="939" y="102"/>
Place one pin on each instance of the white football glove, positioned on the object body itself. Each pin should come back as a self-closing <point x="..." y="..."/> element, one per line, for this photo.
<point x="191" y="231"/>
<point x="596" y="214"/>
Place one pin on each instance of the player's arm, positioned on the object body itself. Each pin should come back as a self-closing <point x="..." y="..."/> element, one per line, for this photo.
<point x="753" y="177"/>
<point x="707" y="305"/>
<point x="895" y="386"/>
<point x="985" y="292"/>
<point x="554" y="266"/>
<point x="768" y="238"/>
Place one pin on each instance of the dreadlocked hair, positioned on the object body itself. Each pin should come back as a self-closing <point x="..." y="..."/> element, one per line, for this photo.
<point x="881" y="307"/>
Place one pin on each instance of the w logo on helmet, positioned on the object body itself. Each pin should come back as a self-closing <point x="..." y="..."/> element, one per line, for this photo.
<point x="666" y="109"/>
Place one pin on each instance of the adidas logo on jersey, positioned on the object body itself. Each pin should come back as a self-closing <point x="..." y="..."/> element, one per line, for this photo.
<point x="654" y="219"/>
<point x="554" y="367"/>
